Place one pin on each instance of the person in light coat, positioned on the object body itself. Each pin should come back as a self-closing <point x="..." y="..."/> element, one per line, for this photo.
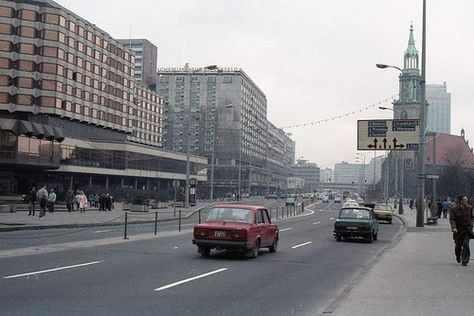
<point x="51" y="200"/>
<point x="83" y="202"/>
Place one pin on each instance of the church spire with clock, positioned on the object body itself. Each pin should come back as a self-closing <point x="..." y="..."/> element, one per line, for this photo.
<point x="408" y="106"/>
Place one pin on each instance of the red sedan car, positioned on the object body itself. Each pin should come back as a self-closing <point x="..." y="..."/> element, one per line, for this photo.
<point x="236" y="227"/>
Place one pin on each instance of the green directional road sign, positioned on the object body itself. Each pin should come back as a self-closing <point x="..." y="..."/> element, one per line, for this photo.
<point x="387" y="134"/>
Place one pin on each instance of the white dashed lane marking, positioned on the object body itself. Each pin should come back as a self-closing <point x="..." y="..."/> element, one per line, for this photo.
<point x="301" y="245"/>
<point x="285" y="229"/>
<point x="189" y="280"/>
<point x="316" y="223"/>
<point x="52" y="270"/>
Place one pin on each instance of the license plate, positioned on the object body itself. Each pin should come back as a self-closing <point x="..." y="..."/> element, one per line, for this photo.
<point x="219" y="233"/>
<point x="351" y="228"/>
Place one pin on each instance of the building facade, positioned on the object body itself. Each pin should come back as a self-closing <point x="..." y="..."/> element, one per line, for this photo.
<point x="309" y="171"/>
<point x="222" y="113"/>
<point x="71" y="113"/>
<point x="439" y="108"/>
<point x="146" y="60"/>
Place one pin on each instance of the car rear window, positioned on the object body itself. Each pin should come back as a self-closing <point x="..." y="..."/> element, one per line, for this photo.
<point x="383" y="207"/>
<point x="231" y="215"/>
<point x="354" y="213"/>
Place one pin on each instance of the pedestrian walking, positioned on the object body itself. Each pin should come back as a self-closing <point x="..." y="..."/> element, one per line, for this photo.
<point x="83" y="202"/>
<point x="41" y="197"/>
<point x="96" y="199"/>
<point x="77" y="200"/>
<point x="51" y="200"/>
<point x="411" y="204"/>
<point x="460" y="218"/>
<point x="439" y="206"/>
<point x="69" y="200"/>
<point x="102" y="202"/>
<point x="91" y="200"/>
<point x="108" y="202"/>
<point x="446" y="206"/>
<point x="32" y="201"/>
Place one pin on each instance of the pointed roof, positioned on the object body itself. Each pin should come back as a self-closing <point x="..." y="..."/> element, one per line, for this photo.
<point x="450" y="150"/>
<point x="411" y="49"/>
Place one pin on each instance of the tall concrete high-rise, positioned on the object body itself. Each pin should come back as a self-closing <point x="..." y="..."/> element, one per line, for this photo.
<point x="439" y="108"/>
<point x="309" y="172"/>
<point x="225" y="112"/>
<point x="146" y="60"/>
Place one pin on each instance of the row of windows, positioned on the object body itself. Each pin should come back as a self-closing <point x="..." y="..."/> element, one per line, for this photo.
<point x="56" y="52"/>
<point x="52" y="102"/>
<point x="48" y="68"/>
<point x="55" y="19"/>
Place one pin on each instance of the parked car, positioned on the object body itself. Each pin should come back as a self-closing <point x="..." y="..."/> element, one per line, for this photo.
<point x="383" y="212"/>
<point x="245" y="228"/>
<point x="290" y="201"/>
<point x="325" y="199"/>
<point x="245" y="195"/>
<point x="338" y="199"/>
<point x="356" y="222"/>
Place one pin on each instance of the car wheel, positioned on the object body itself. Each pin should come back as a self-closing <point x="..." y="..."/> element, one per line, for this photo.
<point x="375" y="236"/>
<point x="204" y="251"/>
<point x="390" y="221"/>
<point x="370" y="238"/>
<point x="253" y="253"/>
<point x="338" y="237"/>
<point x="274" y="246"/>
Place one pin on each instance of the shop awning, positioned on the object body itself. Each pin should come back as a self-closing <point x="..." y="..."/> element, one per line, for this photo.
<point x="58" y="134"/>
<point x="38" y="130"/>
<point x="8" y="125"/>
<point x="25" y="128"/>
<point x="49" y="132"/>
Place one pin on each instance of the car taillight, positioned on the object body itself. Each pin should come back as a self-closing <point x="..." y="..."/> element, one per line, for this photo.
<point x="239" y="234"/>
<point x="200" y="233"/>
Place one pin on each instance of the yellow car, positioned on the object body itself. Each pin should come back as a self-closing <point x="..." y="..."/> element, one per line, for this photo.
<point x="383" y="212"/>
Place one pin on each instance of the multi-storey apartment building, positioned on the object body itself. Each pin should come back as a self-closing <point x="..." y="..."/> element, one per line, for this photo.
<point x="220" y="112"/>
<point x="71" y="113"/>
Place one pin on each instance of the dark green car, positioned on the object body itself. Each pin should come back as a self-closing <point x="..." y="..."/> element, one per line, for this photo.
<point x="356" y="222"/>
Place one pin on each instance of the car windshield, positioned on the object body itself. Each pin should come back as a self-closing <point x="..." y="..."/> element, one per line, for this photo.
<point x="354" y="213"/>
<point x="230" y="214"/>
<point x="383" y="207"/>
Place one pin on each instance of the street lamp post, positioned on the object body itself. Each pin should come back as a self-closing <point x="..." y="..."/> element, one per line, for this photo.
<point x="402" y="158"/>
<point x="358" y="156"/>
<point x="421" y="146"/>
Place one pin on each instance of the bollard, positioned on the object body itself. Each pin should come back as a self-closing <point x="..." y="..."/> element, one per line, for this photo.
<point x="270" y="215"/>
<point x="126" y="222"/>
<point x="179" y="221"/>
<point x="199" y="216"/>
<point x="287" y="211"/>
<point x="302" y="208"/>
<point x="156" y="222"/>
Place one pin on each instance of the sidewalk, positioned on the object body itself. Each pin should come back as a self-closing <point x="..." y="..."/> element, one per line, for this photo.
<point x="418" y="276"/>
<point x="92" y="217"/>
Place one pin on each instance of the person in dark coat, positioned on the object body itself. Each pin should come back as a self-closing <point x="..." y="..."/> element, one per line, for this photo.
<point x="32" y="201"/>
<point x="460" y="218"/>
<point x="108" y="202"/>
<point x="70" y="200"/>
<point x="102" y="202"/>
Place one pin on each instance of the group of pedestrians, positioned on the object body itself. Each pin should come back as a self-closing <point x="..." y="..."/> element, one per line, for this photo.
<point x="75" y="201"/>
<point x="45" y="200"/>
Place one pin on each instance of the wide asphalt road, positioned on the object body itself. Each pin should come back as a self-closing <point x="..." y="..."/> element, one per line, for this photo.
<point x="166" y="276"/>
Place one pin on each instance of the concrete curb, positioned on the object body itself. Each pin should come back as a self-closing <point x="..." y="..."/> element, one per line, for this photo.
<point x="345" y="292"/>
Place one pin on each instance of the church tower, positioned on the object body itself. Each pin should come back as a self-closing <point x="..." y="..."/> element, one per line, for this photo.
<point x="408" y="106"/>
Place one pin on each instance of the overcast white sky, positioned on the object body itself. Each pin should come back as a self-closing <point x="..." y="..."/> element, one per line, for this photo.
<point x="314" y="59"/>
